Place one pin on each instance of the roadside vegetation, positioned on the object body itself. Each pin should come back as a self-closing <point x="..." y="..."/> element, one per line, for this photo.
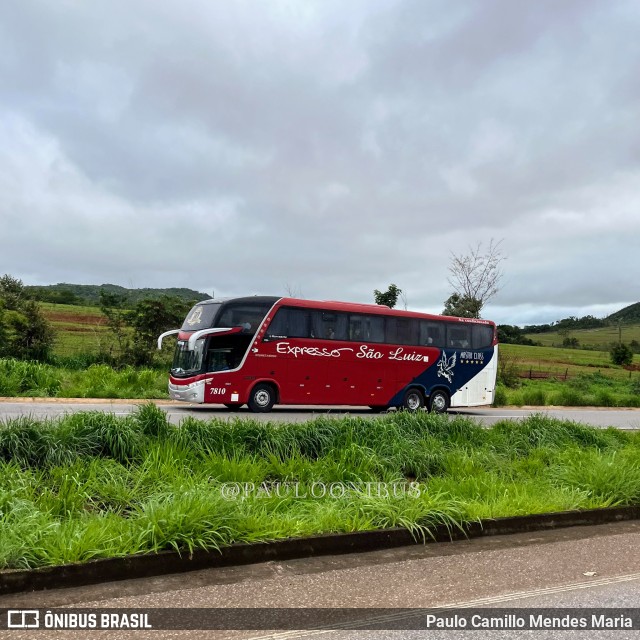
<point x="93" y="485"/>
<point x="547" y="376"/>
<point x="20" y="378"/>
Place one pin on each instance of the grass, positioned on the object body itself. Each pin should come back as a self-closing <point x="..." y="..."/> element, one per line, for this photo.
<point x="600" y="337"/>
<point x="577" y="378"/>
<point x="561" y="360"/>
<point x="34" y="379"/>
<point x="94" y="485"/>
<point x="79" y="330"/>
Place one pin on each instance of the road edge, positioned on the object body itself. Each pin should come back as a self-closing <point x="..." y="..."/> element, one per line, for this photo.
<point x="171" y="562"/>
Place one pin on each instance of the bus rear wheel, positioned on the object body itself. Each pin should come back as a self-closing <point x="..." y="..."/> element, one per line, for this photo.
<point x="262" y="398"/>
<point x="438" y="402"/>
<point x="413" y="400"/>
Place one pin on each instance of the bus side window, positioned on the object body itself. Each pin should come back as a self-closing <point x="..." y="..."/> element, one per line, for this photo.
<point x="219" y="360"/>
<point x="431" y="333"/>
<point x="458" y="337"/>
<point x="331" y="326"/>
<point x="402" y="331"/>
<point x="356" y="331"/>
<point x="290" y="323"/>
<point x="374" y="328"/>
<point x="298" y="323"/>
<point x="482" y="336"/>
<point x="278" y="326"/>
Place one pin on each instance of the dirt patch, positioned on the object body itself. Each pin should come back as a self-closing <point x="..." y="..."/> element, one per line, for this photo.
<point x="77" y="318"/>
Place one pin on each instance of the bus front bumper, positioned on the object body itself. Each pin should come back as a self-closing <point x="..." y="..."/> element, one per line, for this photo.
<point x="193" y="392"/>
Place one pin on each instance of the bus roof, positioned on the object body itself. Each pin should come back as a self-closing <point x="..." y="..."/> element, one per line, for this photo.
<point x="335" y="305"/>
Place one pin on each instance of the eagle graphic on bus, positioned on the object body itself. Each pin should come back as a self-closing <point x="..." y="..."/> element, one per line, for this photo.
<point x="445" y="366"/>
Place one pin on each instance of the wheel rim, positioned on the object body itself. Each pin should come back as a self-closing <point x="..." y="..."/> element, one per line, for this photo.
<point x="413" y="401"/>
<point x="262" y="398"/>
<point x="439" y="402"/>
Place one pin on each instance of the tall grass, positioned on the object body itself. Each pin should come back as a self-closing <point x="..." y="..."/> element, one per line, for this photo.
<point x="20" y="378"/>
<point x="79" y="378"/>
<point x="92" y="485"/>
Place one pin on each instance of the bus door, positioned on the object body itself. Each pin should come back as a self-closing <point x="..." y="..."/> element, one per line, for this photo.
<point x="291" y="350"/>
<point x="362" y="377"/>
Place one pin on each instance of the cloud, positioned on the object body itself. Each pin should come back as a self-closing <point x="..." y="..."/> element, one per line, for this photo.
<point x="333" y="148"/>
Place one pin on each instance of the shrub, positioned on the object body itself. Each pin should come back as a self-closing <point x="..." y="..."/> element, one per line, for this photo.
<point x="534" y="397"/>
<point x="621" y="354"/>
<point x="500" y="397"/>
<point x="508" y="371"/>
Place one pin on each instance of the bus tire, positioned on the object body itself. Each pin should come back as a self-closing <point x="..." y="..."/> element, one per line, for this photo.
<point x="413" y="400"/>
<point x="262" y="398"/>
<point x="438" y="401"/>
<point x="233" y="406"/>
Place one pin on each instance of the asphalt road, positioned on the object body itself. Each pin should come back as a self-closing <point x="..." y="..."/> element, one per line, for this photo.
<point x="628" y="419"/>
<point x="595" y="566"/>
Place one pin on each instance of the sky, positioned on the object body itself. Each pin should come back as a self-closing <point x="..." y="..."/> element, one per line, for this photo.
<point x="325" y="148"/>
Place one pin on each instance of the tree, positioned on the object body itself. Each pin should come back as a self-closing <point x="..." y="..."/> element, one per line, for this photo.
<point x="136" y="329"/>
<point x="24" y="331"/>
<point x="462" y="306"/>
<point x="621" y="354"/>
<point x="113" y="307"/>
<point x="512" y="334"/>
<point x="148" y="319"/>
<point x="388" y="298"/>
<point x="475" y="278"/>
<point x="12" y="291"/>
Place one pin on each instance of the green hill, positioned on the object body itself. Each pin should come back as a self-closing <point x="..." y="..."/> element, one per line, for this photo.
<point x="630" y="314"/>
<point x="89" y="294"/>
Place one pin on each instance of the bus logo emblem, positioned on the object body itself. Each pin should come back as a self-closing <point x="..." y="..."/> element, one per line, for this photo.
<point x="445" y="366"/>
<point x="195" y="317"/>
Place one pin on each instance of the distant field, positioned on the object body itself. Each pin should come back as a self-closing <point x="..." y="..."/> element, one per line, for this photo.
<point x="603" y="336"/>
<point x="571" y="361"/>
<point x="564" y="377"/>
<point x="78" y="329"/>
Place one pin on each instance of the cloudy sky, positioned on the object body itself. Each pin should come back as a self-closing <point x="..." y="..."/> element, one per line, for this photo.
<point x="326" y="147"/>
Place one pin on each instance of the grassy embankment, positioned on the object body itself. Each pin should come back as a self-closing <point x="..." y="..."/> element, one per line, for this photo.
<point x="94" y="485"/>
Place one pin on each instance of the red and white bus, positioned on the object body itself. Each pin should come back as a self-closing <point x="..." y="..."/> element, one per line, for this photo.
<point x="262" y="351"/>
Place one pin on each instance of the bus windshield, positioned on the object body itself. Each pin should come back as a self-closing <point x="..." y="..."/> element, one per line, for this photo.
<point x="186" y="362"/>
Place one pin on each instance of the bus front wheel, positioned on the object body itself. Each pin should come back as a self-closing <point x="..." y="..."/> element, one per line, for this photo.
<point x="438" y="402"/>
<point x="262" y="398"/>
<point x="413" y="400"/>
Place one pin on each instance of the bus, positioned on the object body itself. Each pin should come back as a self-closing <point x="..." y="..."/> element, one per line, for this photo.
<point x="263" y="350"/>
